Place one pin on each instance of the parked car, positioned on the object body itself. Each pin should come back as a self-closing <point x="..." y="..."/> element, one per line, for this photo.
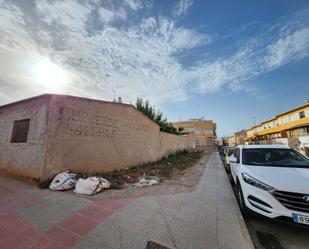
<point x="272" y="180"/>
<point x="226" y="158"/>
<point x="220" y="149"/>
<point x="223" y="151"/>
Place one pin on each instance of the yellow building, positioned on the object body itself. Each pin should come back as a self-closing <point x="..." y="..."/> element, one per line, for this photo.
<point x="231" y="141"/>
<point x="290" y="128"/>
<point x="237" y="138"/>
<point x="240" y="137"/>
<point x="204" y="132"/>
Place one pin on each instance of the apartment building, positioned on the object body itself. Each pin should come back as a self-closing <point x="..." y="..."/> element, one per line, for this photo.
<point x="237" y="138"/>
<point x="204" y="132"/>
<point x="290" y="127"/>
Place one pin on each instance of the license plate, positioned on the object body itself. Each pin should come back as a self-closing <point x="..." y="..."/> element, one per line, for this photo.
<point x="301" y="219"/>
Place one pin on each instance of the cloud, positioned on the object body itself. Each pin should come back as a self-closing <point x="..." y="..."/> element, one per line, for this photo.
<point x="135" y="4"/>
<point x="105" y="59"/>
<point x="278" y="46"/>
<point x="182" y="7"/>
<point x="115" y="49"/>
<point x="137" y="61"/>
<point x="71" y="15"/>
<point x="292" y="47"/>
<point x="108" y="16"/>
<point x="13" y="27"/>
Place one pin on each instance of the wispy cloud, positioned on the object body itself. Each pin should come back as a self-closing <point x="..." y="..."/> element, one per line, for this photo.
<point x="134" y="4"/>
<point x="279" y="45"/>
<point x="105" y="52"/>
<point x="108" y="16"/>
<point x="131" y="60"/>
<point x="288" y="48"/>
<point x="182" y="7"/>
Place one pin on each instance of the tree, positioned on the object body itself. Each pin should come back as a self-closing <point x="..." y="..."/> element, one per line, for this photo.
<point x="158" y="117"/>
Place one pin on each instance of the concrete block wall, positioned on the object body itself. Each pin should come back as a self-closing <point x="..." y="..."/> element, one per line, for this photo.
<point x="170" y="143"/>
<point x="82" y="135"/>
<point x="24" y="159"/>
<point x="96" y="136"/>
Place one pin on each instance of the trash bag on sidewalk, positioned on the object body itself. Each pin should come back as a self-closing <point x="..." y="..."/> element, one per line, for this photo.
<point x="63" y="181"/>
<point x="91" y="185"/>
<point x="147" y="181"/>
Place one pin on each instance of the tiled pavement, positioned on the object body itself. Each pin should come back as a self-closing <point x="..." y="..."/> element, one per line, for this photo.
<point x="206" y="218"/>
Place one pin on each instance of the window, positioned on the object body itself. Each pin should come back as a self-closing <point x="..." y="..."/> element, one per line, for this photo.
<point x="20" y="131"/>
<point x="304" y="131"/>
<point x="237" y="154"/>
<point x="274" y="157"/>
<point x="292" y="134"/>
<point x="302" y="114"/>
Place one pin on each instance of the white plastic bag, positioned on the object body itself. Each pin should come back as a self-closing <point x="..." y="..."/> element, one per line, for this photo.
<point x="63" y="181"/>
<point x="144" y="182"/>
<point x="91" y="185"/>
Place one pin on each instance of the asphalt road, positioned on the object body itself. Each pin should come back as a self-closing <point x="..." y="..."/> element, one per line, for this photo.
<point x="269" y="234"/>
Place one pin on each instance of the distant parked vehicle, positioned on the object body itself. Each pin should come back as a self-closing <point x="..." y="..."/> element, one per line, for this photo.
<point x="226" y="159"/>
<point x="222" y="152"/>
<point x="272" y="180"/>
<point x="220" y="149"/>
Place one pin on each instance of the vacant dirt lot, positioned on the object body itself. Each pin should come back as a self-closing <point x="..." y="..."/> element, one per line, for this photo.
<point x="180" y="180"/>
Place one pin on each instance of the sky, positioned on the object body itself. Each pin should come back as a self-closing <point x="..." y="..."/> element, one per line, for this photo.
<point x="230" y="61"/>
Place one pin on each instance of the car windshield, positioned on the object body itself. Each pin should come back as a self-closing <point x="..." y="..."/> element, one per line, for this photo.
<point x="274" y="157"/>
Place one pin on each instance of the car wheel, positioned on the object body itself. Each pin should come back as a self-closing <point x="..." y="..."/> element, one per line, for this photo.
<point x="241" y="201"/>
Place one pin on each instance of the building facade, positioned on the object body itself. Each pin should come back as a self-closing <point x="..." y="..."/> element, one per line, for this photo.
<point x="237" y="138"/>
<point x="290" y="128"/>
<point x="240" y="137"/>
<point x="44" y="135"/>
<point x="231" y="141"/>
<point x="204" y="132"/>
<point x="225" y="140"/>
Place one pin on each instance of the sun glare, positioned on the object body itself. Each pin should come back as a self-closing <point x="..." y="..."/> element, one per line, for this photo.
<point x="51" y="75"/>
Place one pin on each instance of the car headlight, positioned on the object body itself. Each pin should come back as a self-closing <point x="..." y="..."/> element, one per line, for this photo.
<point x="256" y="183"/>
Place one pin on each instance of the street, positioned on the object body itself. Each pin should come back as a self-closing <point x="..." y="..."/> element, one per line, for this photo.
<point x="267" y="234"/>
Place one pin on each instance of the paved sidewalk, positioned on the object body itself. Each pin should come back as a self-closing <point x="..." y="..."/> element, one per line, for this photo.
<point x="206" y="218"/>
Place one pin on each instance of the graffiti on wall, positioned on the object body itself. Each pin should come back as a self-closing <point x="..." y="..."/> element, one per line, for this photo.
<point x="86" y="124"/>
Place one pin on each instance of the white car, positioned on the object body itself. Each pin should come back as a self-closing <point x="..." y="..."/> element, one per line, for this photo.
<point x="272" y="180"/>
<point x="226" y="159"/>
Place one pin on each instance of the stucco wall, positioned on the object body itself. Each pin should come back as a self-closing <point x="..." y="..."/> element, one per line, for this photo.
<point x="170" y="143"/>
<point x="24" y="159"/>
<point x="96" y="136"/>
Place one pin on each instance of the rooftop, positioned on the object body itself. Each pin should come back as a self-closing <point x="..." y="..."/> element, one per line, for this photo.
<point x="49" y="95"/>
<point x="281" y="114"/>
